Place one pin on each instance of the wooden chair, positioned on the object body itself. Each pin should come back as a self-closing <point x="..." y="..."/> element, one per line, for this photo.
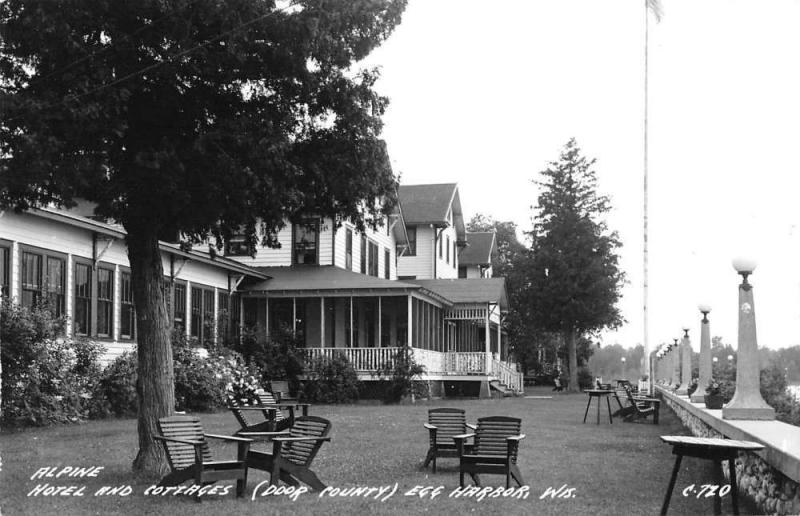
<point x="293" y="454"/>
<point x="242" y="415"/>
<point x="642" y="407"/>
<point x="280" y="389"/>
<point x="495" y="451"/>
<point x="190" y="457"/>
<point x="276" y="410"/>
<point x="443" y="424"/>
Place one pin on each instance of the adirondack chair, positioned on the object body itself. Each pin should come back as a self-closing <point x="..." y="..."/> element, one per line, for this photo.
<point x="293" y="454"/>
<point x="242" y="415"/>
<point x="190" y="458"/>
<point x="495" y="451"/>
<point x="277" y="408"/>
<point x="280" y="389"/>
<point x="443" y="424"/>
<point x="642" y="407"/>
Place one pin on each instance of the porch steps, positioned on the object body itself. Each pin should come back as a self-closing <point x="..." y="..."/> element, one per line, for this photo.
<point x="501" y="388"/>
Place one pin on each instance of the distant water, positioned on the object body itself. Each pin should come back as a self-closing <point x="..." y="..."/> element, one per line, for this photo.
<point x="795" y="390"/>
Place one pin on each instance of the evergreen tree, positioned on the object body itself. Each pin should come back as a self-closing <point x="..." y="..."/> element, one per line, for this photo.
<point x="573" y="276"/>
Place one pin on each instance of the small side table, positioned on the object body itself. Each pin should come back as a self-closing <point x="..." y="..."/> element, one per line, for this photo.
<point x="712" y="449"/>
<point x="599" y="394"/>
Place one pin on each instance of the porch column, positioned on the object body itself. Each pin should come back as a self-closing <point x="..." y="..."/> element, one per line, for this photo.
<point x="410" y="316"/>
<point x="488" y="342"/>
<point x="351" y="323"/>
<point x="499" y="334"/>
<point x="266" y="316"/>
<point x="380" y="321"/>
<point x="241" y="318"/>
<point x="294" y="316"/>
<point x="321" y="322"/>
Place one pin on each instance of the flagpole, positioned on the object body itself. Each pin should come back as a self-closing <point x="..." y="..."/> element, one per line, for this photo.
<point x="646" y="362"/>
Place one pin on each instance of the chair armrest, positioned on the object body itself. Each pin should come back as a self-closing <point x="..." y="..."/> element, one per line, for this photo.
<point x="516" y="437"/>
<point x="463" y="436"/>
<point x="430" y="426"/>
<point x="471" y="426"/>
<point x="229" y="438"/>
<point x="300" y="439"/>
<point x="265" y="434"/>
<point x="176" y="440"/>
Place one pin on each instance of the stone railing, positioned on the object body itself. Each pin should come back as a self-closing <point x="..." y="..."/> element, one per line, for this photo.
<point x="771" y="477"/>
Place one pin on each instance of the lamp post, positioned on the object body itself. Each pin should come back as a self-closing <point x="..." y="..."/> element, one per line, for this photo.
<point x="747" y="402"/>
<point x="676" y="365"/>
<point x="705" y="356"/>
<point x="686" y="364"/>
<point x="622" y="368"/>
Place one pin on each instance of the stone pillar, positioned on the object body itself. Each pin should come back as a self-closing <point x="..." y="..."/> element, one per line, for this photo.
<point x="747" y="402"/>
<point x="686" y="364"/>
<point x="675" y="380"/>
<point x="705" y="357"/>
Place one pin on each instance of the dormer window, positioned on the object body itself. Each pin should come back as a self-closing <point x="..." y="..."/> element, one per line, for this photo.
<point x="237" y="245"/>
<point x="305" y="242"/>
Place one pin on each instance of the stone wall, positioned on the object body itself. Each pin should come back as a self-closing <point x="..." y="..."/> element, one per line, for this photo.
<point x="773" y="491"/>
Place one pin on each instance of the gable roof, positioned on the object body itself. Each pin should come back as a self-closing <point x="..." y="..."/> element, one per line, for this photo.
<point x="477" y="290"/>
<point x="479" y="250"/>
<point x="430" y="204"/>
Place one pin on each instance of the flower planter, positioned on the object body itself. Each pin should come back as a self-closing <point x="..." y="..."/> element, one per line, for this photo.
<point x="713" y="401"/>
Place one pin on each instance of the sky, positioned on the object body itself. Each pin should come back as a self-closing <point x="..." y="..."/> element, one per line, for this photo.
<point x="485" y="94"/>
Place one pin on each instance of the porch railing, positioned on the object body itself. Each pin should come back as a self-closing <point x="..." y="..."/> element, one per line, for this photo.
<point x="369" y="360"/>
<point x="364" y="360"/>
<point x="507" y="374"/>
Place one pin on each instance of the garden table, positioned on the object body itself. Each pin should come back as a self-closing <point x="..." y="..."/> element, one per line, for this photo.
<point x="712" y="449"/>
<point x="599" y="394"/>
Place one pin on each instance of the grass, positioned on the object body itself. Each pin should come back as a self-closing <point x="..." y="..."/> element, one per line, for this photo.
<point x="614" y="469"/>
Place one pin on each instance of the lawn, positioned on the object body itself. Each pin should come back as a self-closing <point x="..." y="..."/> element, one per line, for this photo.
<point x="613" y="469"/>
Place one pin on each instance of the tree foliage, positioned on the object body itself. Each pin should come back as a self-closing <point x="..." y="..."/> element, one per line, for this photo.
<point x="573" y="276"/>
<point x="189" y="119"/>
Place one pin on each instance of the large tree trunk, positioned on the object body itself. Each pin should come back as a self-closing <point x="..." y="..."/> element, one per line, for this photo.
<point x="155" y="380"/>
<point x="572" y="360"/>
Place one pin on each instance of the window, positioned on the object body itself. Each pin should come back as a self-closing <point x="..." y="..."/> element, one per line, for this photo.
<point x="5" y="256"/>
<point x="363" y="254"/>
<point x="202" y="303"/>
<point x="179" y="306"/>
<point x="448" y="249"/>
<point x="348" y="250"/>
<point x="31" y="279"/>
<point x="386" y="264"/>
<point x="82" y="313"/>
<point x="411" y="250"/>
<point x="55" y="284"/>
<point x="237" y="244"/>
<point x="373" y="259"/>
<point x="105" y="302"/>
<point x="223" y="314"/>
<point x="440" y="246"/>
<point x="42" y="279"/>
<point x="454" y="256"/>
<point x="127" y="322"/>
<point x="304" y="251"/>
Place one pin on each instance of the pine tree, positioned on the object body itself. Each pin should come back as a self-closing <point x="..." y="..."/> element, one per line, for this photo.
<point x="573" y="275"/>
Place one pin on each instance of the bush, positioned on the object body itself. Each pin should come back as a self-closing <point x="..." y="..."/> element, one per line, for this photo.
<point x="331" y="380"/>
<point x="277" y="358"/>
<point x="118" y="385"/>
<point x="585" y="378"/>
<point x="401" y="371"/>
<point x="47" y="378"/>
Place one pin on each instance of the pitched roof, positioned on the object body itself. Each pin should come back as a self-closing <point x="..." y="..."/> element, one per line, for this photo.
<point x="327" y="278"/>
<point x="426" y="204"/>
<point x="477" y="290"/>
<point x="479" y="249"/>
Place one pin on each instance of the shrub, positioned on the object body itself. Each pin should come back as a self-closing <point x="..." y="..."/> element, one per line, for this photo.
<point x="331" y="380"/>
<point x="46" y="378"/>
<point x="277" y="357"/>
<point x="401" y="372"/>
<point x="585" y="378"/>
<point x="118" y="385"/>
